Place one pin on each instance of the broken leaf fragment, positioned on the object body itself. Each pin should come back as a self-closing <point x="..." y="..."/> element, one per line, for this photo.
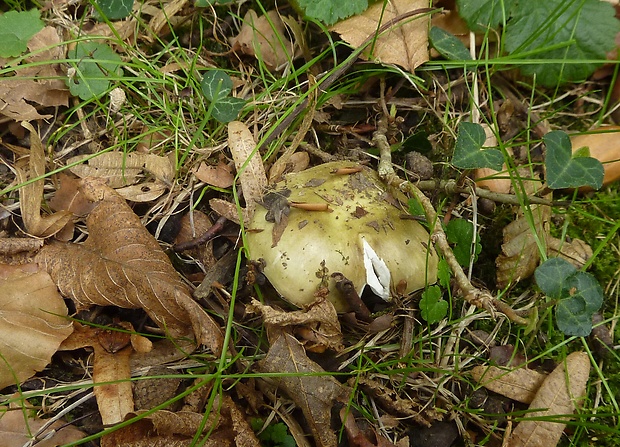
<point x="360" y="232"/>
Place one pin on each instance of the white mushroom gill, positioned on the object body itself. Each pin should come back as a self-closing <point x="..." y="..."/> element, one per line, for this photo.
<point x="361" y="233"/>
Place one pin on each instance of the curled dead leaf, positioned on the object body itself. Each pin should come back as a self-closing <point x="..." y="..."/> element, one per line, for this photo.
<point x="121" y="264"/>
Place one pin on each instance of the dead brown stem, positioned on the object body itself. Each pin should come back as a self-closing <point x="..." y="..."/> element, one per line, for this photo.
<point x="478" y="297"/>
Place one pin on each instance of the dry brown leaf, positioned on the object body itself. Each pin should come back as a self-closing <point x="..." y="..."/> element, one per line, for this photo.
<point x="16" y="430"/>
<point x="30" y="195"/>
<point x="605" y="147"/>
<point x="111" y="373"/>
<point x="404" y="44"/>
<point x="315" y="394"/>
<point x="577" y="252"/>
<point x="17" y="94"/>
<point x="68" y="197"/>
<point x="121" y="169"/>
<point x="264" y="37"/>
<point x="557" y="397"/>
<point x="220" y="175"/>
<point x="226" y="426"/>
<point x="319" y="321"/>
<point x="519" y="384"/>
<point x="248" y="163"/>
<point x="121" y="264"/>
<point x="32" y="323"/>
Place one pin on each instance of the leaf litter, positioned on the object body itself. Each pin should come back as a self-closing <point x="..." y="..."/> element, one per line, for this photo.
<point x="122" y="266"/>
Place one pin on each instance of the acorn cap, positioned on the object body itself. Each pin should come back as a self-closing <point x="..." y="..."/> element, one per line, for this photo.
<point x="361" y="233"/>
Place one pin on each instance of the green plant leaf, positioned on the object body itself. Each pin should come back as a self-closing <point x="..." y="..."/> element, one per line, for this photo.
<point x="448" y="45"/>
<point x="443" y="273"/>
<point x="115" y="9"/>
<point x="97" y="65"/>
<point x="468" y="152"/>
<point x="227" y="109"/>
<point x="583" y="297"/>
<point x="579" y="295"/>
<point x="483" y="14"/>
<point x="216" y="85"/>
<point x="433" y="308"/>
<point x="461" y="233"/>
<point x="566" y="171"/>
<point x="329" y="11"/>
<point x="551" y="276"/>
<point x="16" y="29"/>
<point x="585" y="27"/>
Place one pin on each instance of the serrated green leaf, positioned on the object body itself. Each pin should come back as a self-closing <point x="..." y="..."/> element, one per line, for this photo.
<point x="329" y="11"/>
<point x="461" y="233"/>
<point x="443" y="273"/>
<point x="566" y="171"/>
<point x="216" y="85"/>
<point x="468" y="152"/>
<point x="97" y="65"/>
<point x="551" y="276"/>
<point x="586" y="27"/>
<point x="481" y="15"/>
<point x="115" y="9"/>
<point x="16" y="29"/>
<point x="432" y="307"/>
<point x="448" y="45"/>
<point x="227" y="109"/>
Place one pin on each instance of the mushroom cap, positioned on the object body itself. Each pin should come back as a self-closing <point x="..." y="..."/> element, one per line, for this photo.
<point x="362" y="235"/>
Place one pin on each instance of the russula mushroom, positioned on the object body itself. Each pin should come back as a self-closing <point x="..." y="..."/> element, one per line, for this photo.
<point x="358" y="231"/>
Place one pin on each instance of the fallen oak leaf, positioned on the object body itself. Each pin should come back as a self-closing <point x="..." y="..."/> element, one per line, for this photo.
<point x="121" y="264"/>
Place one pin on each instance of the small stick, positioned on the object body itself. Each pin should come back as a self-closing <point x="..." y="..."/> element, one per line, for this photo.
<point x="478" y="297"/>
<point x="211" y="233"/>
<point x="346" y="288"/>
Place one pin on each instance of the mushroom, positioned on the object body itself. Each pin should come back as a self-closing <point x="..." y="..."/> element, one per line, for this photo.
<point x="359" y="231"/>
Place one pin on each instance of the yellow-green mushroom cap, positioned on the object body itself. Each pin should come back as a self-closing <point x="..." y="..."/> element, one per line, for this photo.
<point x="362" y="235"/>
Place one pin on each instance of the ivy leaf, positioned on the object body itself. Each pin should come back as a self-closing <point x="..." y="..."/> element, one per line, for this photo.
<point x="97" y="65"/>
<point x="329" y="11"/>
<point x="566" y="171"/>
<point x="115" y="9"/>
<point x="432" y="307"/>
<point x="461" y="233"/>
<point x="551" y="276"/>
<point x="483" y="14"/>
<point x="227" y="109"/>
<point x="448" y="45"/>
<point x="468" y="152"/>
<point x="586" y="27"/>
<point x="16" y="29"/>
<point x="579" y="295"/>
<point x="216" y="85"/>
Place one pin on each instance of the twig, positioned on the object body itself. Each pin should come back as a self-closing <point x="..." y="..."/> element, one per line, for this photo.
<point x="211" y="233"/>
<point x="478" y="297"/>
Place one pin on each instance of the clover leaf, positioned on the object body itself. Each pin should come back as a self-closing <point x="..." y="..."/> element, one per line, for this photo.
<point x="579" y="295"/>
<point x="468" y="151"/>
<point x="564" y="170"/>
